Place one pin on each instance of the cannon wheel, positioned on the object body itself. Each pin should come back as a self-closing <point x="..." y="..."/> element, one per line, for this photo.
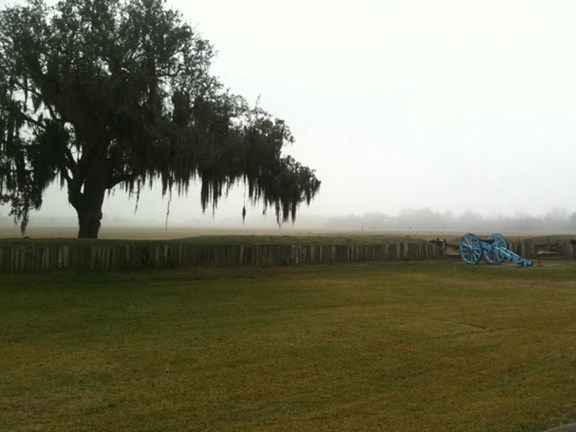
<point x="494" y="257"/>
<point x="470" y="249"/>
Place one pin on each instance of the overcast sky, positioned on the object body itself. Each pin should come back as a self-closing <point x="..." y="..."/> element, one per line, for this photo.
<point x="452" y="105"/>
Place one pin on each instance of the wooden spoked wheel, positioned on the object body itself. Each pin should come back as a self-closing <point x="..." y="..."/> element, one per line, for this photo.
<point x="494" y="256"/>
<point x="470" y="249"/>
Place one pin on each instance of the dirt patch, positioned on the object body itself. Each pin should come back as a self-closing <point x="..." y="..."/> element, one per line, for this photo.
<point x="566" y="428"/>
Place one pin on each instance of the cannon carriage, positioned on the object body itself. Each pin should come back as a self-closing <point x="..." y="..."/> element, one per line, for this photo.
<point x="494" y="248"/>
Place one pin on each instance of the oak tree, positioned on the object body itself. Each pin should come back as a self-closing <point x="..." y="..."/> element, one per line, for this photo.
<point x="104" y="94"/>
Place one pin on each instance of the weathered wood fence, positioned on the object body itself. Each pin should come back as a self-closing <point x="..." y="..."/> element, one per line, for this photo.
<point x="156" y="255"/>
<point x="101" y="256"/>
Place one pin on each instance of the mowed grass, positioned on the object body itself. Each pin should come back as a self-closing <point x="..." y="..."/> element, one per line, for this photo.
<point x="372" y="347"/>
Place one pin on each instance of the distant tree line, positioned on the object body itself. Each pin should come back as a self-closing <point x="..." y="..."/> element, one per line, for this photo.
<point x="557" y="219"/>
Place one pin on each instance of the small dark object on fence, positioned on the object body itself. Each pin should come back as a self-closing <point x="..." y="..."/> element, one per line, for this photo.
<point x="438" y="242"/>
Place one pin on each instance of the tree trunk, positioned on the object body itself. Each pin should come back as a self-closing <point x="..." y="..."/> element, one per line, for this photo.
<point x="89" y="224"/>
<point x="87" y="199"/>
<point x="90" y="212"/>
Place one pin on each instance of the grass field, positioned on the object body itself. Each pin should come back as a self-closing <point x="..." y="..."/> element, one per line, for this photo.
<point x="389" y="347"/>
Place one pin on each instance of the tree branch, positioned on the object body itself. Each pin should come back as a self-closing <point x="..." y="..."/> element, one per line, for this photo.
<point x="30" y="119"/>
<point x="116" y="180"/>
<point x="69" y="161"/>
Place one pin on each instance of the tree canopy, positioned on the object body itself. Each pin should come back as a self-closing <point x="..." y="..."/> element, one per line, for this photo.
<point x="98" y="94"/>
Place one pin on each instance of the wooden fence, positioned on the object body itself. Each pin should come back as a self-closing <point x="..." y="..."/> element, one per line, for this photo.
<point x="100" y="256"/>
<point x="90" y="257"/>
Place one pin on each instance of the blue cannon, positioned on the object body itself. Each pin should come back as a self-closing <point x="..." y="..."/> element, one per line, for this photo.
<point x="494" y="248"/>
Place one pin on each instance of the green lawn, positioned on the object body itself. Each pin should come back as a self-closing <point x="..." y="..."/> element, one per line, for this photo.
<point x="374" y="347"/>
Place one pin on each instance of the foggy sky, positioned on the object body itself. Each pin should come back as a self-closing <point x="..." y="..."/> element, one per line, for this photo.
<point x="450" y="105"/>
